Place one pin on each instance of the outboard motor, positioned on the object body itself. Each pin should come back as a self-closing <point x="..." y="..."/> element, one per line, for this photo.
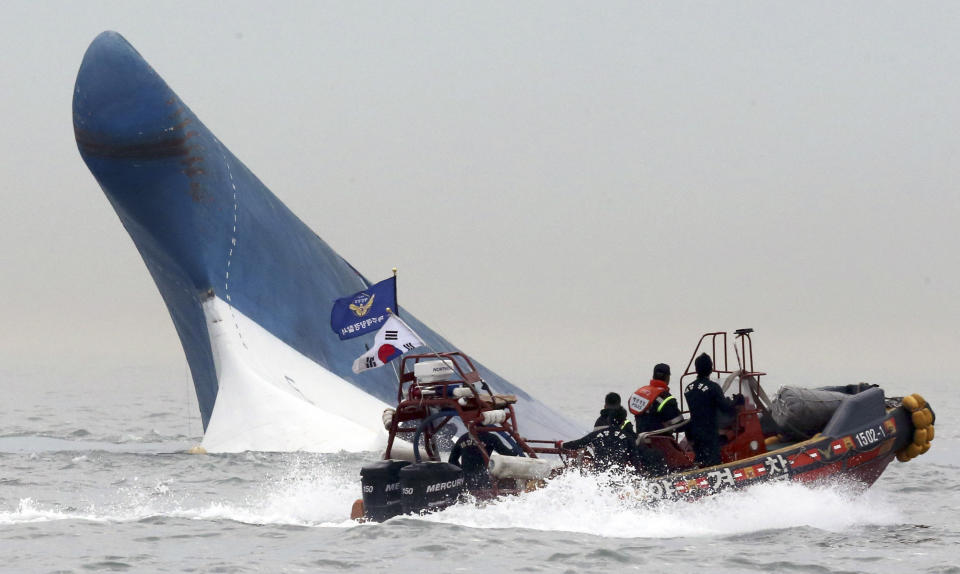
<point x="381" y="489"/>
<point x="430" y="485"/>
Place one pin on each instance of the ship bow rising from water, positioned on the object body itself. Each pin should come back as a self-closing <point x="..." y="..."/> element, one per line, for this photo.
<point x="248" y="285"/>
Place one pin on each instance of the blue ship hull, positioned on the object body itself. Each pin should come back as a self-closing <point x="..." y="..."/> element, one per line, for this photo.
<point x="238" y="271"/>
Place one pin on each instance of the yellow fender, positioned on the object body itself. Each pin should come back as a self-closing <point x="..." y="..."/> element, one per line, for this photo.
<point x="910" y="403"/>
<point x="922" y="418"/>
<point x="914" y="450"/>
<point x="914" y="402"/>
<point x="920" y="400"/>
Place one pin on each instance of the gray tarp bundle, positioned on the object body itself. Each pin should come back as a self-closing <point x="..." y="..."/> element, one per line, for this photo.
<point x="801" y="413"/>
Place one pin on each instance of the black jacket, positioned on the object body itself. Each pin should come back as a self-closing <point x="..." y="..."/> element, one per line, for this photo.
<point x="466" y="454"/>
<point x="606" y="416"/>
<point x="705" y="400"/>
<point x="612" y="447"/>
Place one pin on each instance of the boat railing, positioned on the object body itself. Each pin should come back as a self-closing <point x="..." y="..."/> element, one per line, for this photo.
<point x="464" y="371"/>
<point x="744" y="433"/>
<point x="641" y="437"/>
<point x="715" y="344"/>
<point x="458" y="391"/>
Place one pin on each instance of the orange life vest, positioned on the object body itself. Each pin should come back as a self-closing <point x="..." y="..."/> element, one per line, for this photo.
<point x="642" y="398"/>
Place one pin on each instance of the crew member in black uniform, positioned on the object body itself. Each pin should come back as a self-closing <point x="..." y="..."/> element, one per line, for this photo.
<point x="614" y="445"/>
<point x="706" y="401"/>
<point x="466" y="454"/>
<point x="610" y="405"/>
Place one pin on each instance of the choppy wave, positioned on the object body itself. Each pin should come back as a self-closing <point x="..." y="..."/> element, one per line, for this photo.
<point x="307" y="495"/>
<point x="277" y="512"/>
<point x="81" y="443"/>
<point x="319" y="495"/>
<point x="584" y="504"/>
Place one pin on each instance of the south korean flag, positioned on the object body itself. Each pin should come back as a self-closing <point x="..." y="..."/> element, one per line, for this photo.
<point x="393" y="339"/>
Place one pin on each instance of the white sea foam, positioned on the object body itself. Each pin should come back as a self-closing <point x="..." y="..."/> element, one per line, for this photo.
<point x="308" y="494"/>
<point x="585" y="504"/>
<point x="314" y="493"/>
<point x="29" y="511"/>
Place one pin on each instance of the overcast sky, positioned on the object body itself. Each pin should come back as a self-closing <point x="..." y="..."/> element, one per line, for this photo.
<point x="572" y="192"/>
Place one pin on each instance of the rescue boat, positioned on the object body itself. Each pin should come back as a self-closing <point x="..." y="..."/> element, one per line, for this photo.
<point x="833" y="433"/>
<point x="846" y="433"/>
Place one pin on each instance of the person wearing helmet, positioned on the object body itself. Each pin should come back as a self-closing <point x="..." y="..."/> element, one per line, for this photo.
<point x="706" y="401"/>
<point x="653" y="406"/>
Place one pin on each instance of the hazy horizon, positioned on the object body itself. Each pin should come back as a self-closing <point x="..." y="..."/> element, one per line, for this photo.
<point x="583" y="189"/>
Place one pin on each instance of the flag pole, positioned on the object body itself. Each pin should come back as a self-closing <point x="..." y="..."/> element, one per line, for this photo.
<point x="396" y="371"/>
<point x="397" y="303"/>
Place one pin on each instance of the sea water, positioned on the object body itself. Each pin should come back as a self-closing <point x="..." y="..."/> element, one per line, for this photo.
<point x="98" y="480"/>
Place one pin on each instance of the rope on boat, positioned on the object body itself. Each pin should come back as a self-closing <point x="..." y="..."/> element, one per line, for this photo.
<point x="922" y="419"/>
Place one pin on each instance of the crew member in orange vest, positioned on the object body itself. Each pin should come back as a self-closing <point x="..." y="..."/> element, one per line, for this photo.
<point x="653" y="405"/>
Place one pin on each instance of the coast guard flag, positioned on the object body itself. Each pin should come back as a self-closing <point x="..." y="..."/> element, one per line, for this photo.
<point x="364" y="311"/>
<point x="393" y="339"/>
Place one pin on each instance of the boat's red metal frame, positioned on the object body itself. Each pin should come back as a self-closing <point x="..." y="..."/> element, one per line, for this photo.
<point x="745" y="437"/>
<point x="746" y="458"/>
<point x="417" y="401"/>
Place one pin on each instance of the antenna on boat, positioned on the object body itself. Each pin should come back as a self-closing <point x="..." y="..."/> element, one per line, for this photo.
<point x="739" y="334"/>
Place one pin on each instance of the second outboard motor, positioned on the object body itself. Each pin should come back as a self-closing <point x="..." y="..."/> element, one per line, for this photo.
<point x="381" y="489"/>
<point x="428" y="486"/>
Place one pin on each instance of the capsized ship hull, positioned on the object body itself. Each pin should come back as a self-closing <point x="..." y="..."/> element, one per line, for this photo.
<point x="248" y="285"/>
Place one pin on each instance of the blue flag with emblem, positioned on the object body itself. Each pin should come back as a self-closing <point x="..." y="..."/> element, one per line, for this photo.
<point x="364" y="311"/>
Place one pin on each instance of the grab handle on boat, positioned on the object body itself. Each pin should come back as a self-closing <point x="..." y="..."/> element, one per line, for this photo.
<point x="642" y="437"/>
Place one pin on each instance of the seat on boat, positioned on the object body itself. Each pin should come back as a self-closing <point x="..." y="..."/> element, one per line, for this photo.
<point x="675" y="457"/>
